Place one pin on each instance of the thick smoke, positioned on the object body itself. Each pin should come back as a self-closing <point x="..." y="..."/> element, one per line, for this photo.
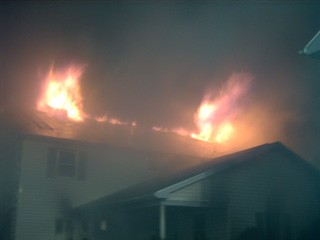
<point x="153" y="62"/>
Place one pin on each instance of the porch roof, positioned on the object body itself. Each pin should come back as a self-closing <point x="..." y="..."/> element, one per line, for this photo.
<point x="162" y="187"/>
<point x="312" y="49"/>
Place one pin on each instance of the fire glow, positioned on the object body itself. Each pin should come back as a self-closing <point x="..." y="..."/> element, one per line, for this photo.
<point x="215" y="115"/>
<point x="62" y="93"/>
<point x="214" y="118"/>
<point x="62" y="97"/>
<point x="115" y="121"/>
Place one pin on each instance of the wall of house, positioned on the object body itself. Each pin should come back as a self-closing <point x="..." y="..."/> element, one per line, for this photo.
<point x="274" y="195"/>
<point x="210" y="195"/>
<point x="44" y="199"/>
<point x="9" y="174"/>
<point x="268" y="189"/>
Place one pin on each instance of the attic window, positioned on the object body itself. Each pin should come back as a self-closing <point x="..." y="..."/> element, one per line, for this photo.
<point x="66" y="163"/>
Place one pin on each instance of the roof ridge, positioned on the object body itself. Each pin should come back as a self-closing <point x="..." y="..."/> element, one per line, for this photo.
<point x="218" y="164"/>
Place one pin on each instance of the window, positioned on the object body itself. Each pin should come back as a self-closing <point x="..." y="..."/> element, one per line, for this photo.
<point x="63" y="229"/>
<point x="66" y="163"/>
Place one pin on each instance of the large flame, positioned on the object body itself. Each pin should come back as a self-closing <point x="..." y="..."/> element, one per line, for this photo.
<point x="62" y="93"/>
<point x="62" y="97"/>
<point x="215" y="115"/>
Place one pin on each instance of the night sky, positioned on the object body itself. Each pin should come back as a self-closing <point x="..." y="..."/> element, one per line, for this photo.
<point x="152" y="62"/>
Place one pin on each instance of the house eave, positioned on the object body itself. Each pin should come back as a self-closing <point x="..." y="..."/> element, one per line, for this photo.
<point x="312" y="49"/>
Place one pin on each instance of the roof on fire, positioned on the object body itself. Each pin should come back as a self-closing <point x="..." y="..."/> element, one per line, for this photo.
<point x="39" y="125"/>
<point x="162" y="186"/>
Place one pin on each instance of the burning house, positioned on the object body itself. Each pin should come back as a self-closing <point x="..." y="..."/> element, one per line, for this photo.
<point x="49" y="166"/>
<point x="266" y="192"/>
<point x="65" y="180"/>
<point x="103" y="178"/>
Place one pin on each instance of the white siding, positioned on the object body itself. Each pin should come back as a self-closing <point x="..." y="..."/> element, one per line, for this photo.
<point x="196" y="192"/>
<point x="43" y="199"/>
<point x="238" y="193"/>
<point x="249" y="187"/>
<point x="252" y="185"/>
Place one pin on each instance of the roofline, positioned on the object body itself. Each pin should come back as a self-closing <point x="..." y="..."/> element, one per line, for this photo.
<point x="216" y="165"/>
<point x="314" y="54"/>
<point x="212" y="167"/>
<point x="54" y="139"/>
<point x="310" y="42"/>
<point x="165" y="192"/>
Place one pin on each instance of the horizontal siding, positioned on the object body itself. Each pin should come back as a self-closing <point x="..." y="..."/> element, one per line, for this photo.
<point x="251" y="185"/>
<point x="43" y="199"/>
<point x="244" y="190"/>
<point x="235" y="194"/>
<point x="198" y="192"/>
<point x="9" y="181"/>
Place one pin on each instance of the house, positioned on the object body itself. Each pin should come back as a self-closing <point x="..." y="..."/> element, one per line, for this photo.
<point x="62" y="180"/>
<point x="51" y="165"/>
<point x="266" y="192"/>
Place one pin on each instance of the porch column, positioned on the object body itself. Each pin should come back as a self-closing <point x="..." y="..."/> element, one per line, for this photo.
<point x="162" y="221"/>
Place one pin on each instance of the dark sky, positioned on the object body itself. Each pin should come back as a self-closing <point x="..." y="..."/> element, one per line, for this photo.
<point x="152" y="62"/>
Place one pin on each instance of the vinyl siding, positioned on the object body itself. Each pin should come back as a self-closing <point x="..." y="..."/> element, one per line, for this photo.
<point x="196" y="192"/>
<point x="43" y="199"/>
<point x="238" y="193"/>
<point x="9" y="182"/>
<point x="276" y="178"/>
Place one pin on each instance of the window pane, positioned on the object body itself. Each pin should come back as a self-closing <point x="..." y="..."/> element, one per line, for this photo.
<point x="66" y="165"/>
<point x="66" y="171"/>
<point x="51" y="162"/>
<point x="67" y="158"/>
<point x="82" y="166"/>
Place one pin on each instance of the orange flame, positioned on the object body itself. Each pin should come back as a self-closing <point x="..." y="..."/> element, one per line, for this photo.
<point x="62" y="93"/>
<point x="114" y="121"/>
<point x="214" y="116"/>
<point x="179" y="131"/>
